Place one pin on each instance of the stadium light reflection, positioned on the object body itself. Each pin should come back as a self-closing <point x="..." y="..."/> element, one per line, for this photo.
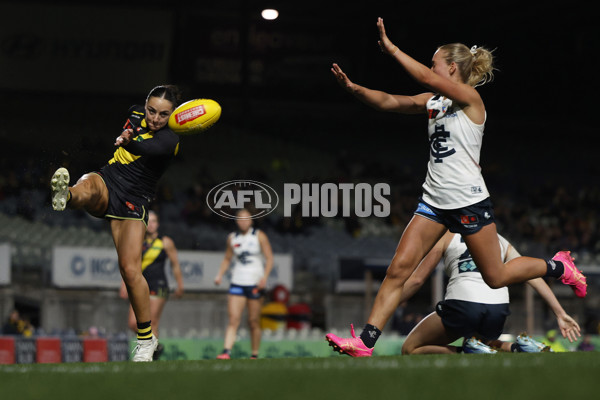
<point x="269" y="14"/>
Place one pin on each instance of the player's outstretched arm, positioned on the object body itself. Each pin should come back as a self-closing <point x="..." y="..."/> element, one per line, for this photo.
<point x="379" y="100"/>
<point x="568" y="326"/>
<point x="460" y="92"/>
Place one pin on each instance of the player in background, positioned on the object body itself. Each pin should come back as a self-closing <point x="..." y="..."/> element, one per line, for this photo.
<point x="250" y="250"/>
<point x="121" y="192"/>
<point x="470" y="307"/>
<point x="156" y="250"/>
<point x="455" y="196"/>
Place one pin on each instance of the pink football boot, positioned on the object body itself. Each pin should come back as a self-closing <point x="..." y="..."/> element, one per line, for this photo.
<point x="572" y="276"/>
<point x="354" y="346"/>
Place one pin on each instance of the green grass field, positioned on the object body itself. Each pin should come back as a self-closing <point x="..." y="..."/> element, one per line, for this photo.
<point x="503" y="376"/>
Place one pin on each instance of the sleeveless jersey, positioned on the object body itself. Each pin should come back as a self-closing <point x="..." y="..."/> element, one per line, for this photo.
<point x="248" y="261"/>
<point x="466" y="282"/>
<point x="154" y="257"/>
<point x="454" y="177"/>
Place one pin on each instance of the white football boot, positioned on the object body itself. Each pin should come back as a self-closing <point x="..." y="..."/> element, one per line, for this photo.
<point x="60" y="189"/>
<point x="144" y="350"/>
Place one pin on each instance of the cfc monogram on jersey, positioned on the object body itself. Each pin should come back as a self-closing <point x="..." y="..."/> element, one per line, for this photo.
<point x="437" y="142"/>
<point x="248" y="261"/>
<point x="453" y="170"/>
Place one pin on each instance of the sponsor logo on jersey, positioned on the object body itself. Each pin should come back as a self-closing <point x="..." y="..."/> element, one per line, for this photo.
<point x="466" y="263"/>
<point x="433" y="113"/>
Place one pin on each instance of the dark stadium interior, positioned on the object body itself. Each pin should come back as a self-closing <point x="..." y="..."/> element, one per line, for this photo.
<point x="286" y="120"/>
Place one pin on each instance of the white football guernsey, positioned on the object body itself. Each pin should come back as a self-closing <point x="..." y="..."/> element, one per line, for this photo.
<point x="454" y="177"/>
<point x="466" y="282"/>
<point x="248" y="260"/>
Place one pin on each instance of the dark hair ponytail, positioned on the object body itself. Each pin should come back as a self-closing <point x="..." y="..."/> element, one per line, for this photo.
<point x="167" y="92"/>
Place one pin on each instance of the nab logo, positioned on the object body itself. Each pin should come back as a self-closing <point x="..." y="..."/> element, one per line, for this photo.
<point x="229" y="197"/>
<point x="437" y="142"/>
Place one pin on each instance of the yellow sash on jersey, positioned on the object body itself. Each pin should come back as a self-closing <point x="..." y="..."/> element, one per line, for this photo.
<point x="122" y="156"/>
<point x="152" y="253"/>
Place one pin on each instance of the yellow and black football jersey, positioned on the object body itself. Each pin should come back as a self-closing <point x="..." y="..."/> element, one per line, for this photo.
<point x="137" y="167"/>
<point x="154" y="258"/>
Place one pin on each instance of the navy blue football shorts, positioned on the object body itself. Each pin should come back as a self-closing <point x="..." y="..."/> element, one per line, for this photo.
<point x="468" y="319"/>
<point x="466" y="220"/>
<point x="250" y="292"/>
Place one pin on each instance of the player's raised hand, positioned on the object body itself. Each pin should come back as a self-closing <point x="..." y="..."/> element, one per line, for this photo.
<point x="385" y="44"/>
<point x="341" y="78"/>
<point x="124" y="138"/>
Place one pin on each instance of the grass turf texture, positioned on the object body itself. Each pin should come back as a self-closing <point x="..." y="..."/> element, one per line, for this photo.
<point x="466" y="376"/>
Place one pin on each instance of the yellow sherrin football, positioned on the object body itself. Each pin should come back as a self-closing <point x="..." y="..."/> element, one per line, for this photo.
<point x="194" y="116"/>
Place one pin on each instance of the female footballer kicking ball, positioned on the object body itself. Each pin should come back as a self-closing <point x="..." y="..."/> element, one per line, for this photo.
<point x="455" y="196"/>
<point x="121" y="192"/>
